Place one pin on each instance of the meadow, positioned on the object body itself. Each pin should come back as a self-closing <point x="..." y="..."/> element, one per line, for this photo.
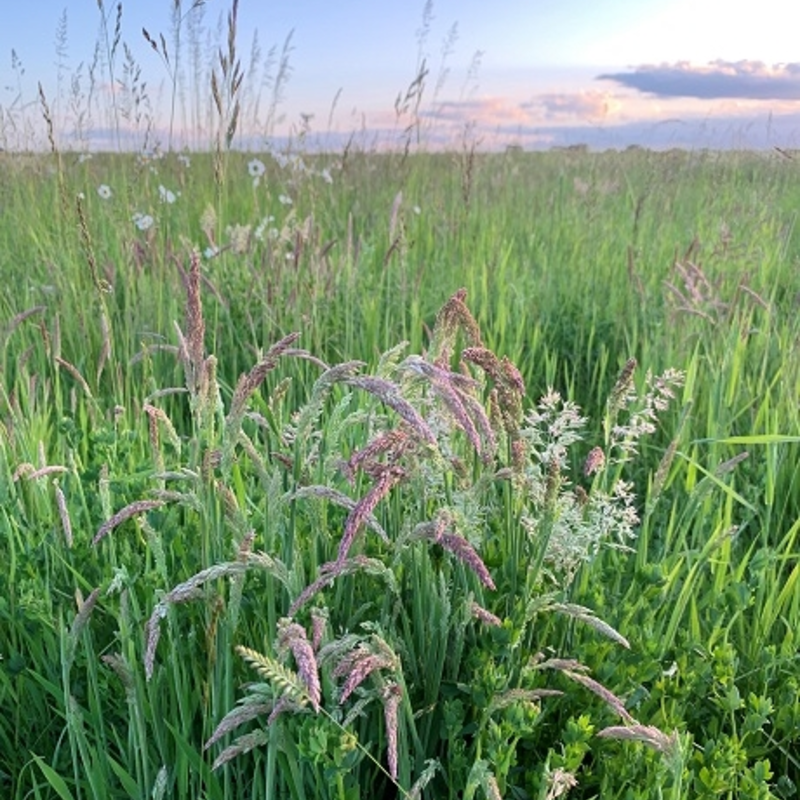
<point x="394" y="474"/>
<point x="224" y="543"/>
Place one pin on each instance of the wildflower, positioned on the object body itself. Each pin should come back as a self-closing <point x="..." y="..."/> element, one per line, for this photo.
<point x="417" y="210"/>
<point x="256" y="168"/>
<point x="326" y="175"/>
<point x="258" y="233"/>
<point x="166" y="195"/>
<point x="104" y="190"/>
<point x="185" y="160"/>
<point x="210" y="252"/>
<point x="284" y="199"/>
<point x="83" y="157"/>
<point x="143" y="221"/>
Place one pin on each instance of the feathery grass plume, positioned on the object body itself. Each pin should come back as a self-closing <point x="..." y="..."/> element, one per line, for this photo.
<point x="452" y="317"/>
<point x="53" y="469"/>
<point x="608" y="697"/>
<point x="394" y="443"/>
<point x="319" y="621"/>
<point x="117" y="663"/>
<point x="512" y="696"/>
<point x="73" y="370"/>
<point x="389" y="393"/>
<point x="105" y="348"/>
<point x="485" y="616"/>
<point x="730" y="464"/>
<point x="293" y="637"/>
<point x="391" y="695"/>
<point x="160" y="784"/>
<point x="245" y="387"/>
<point x="193" y="346"/>
<point x="623" y="391"/>
<point x="285" y="682"/>
<point x="508" y="391"/>
<point x="156" y="545"/>
<point x="340" y="499"/>
<point x="244" y="744"/>
<point x="310" y="413"/>
<point x="368" y="657"/>
<point x="583" y="614"/>
<point x="332" y="570"/>
<point x="465" y="552"/>
<point x="454" y="390"/>
<point x="387" y="479"/>
<point x="131" y="510"/>
<point x="18" y="319"/>
<point x="63" y="513"/>
<point x="190" y="589"/>
<point x="85" y="608"/>
<point x="456" y="544"/>
<point x="249" y="708"/>
<point x="160" y="415"/>
<point x="208" y="403"/>
<point x="158" y="456"/>
<point x="646" y="734"/>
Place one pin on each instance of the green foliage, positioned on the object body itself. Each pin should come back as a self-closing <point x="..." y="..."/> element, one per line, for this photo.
<point x="131" y="373"/>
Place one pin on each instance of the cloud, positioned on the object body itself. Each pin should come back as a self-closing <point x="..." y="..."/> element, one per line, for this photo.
<point x="485" y="109"/>
<point x="743" y="80"/>
<point x="581" y="105"/>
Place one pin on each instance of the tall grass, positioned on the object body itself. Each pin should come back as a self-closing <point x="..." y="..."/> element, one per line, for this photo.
<point x="176" y="469"/>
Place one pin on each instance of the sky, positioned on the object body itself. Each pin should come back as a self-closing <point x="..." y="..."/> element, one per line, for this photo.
<point x="531" y="73"/>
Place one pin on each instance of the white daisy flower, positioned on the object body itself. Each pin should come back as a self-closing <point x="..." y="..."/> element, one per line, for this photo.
<point x="104" y="190"/>
<point x="256" y="168"/>
<point x="143" y="221"/>
<point x="166" y="195"/>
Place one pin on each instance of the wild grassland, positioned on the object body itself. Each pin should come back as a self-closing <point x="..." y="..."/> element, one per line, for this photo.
<point x="254" y="546"/>
<point x="122" y="394"/>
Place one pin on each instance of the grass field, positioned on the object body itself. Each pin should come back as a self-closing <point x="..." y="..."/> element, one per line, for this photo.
<point x="175" y="472"/>
<point x="409" y="474"/>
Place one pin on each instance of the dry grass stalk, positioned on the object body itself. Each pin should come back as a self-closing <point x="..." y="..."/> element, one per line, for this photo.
<point x="18" y="319"/>
<point x="63" y="512"/>
<point x="132" y="510"/>
<point x="75" y="374"/>
<point x="646" y="734"/>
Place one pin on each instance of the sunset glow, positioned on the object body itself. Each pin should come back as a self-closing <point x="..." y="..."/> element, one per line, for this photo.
<point x="609" y="74"/>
